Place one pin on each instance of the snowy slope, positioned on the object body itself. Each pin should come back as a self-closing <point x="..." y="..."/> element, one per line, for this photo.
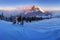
<point x="41" y="30"/>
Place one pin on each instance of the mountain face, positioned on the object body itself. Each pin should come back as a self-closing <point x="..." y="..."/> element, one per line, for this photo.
<point x="35" y="11"/>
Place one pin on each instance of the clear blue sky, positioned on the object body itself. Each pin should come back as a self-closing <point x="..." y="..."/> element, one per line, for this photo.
<point x="42" y="3"/>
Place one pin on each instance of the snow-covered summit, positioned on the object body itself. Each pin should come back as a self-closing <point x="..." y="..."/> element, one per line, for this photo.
<point x="34" y="11"/>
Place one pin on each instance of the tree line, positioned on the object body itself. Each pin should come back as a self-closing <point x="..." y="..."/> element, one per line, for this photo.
<point x="20" y="19"/>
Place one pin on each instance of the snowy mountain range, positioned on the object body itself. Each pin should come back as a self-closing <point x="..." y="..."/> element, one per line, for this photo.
<point x="32" y="11"/>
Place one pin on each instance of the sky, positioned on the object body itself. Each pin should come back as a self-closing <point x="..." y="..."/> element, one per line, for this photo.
<point x="46" y="4"/>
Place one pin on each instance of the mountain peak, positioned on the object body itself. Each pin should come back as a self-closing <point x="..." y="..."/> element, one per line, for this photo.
<point x="28" y="8"/>
<point x="34" y="7"/>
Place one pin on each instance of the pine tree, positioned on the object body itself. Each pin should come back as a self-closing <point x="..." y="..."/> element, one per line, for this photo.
<point x="2" y="16"/>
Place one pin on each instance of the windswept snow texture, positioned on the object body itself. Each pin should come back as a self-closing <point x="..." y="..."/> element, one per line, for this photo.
<point x="41" y="30"/>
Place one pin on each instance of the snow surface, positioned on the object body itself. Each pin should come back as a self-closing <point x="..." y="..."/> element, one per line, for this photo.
<point x="48" y="29"/>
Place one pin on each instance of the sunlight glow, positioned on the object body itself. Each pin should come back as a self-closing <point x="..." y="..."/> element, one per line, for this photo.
<point x="38" y="7"/>
<point x="52" y="9"/>
<point x="7" y="8"/>
<point x="28" y="8"/>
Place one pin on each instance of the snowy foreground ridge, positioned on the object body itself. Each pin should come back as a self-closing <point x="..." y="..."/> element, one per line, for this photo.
<point x="41" y="30"/>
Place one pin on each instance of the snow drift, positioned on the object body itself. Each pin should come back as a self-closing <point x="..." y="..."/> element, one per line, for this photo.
<point x="41" y="30"/>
